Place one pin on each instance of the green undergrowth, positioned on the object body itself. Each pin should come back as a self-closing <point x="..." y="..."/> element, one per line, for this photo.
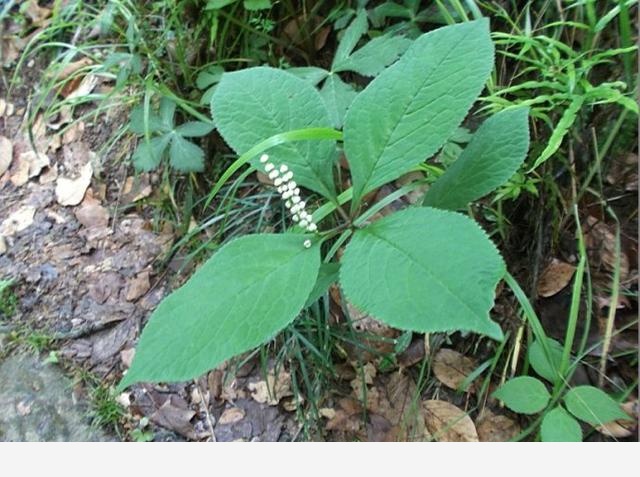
<point x="571" y="63"/>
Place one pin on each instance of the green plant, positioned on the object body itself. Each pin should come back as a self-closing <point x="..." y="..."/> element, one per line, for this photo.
<point x="529" y="395"/>
<point x="184" y="155"/>
<point x="422" y="269"/>
<point x="8" y="299"/>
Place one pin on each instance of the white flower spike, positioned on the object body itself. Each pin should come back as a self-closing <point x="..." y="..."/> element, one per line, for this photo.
<point x="290" y="193"/>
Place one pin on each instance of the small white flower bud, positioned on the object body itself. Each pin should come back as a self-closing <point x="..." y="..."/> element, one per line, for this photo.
<point x="295" y="217"/>
<point x="288" y="176"/>
<point x="303" y="223"/>
<point x="292" y="185"/>
<point x="264" y="158"/>
<point x="278" y="182"/>
<point x="295" y="199"/>
<point x="273" y="174"/>
<point x="307" y="243"/>
<point x="312" y="227"/>
<point x="301" y="203"/>
<point x="283" y="168"/>
<point x="288" y="204"/>
<point x="282" y="189"/>
<point x="296" y="192"/>
<point x="269" y="167"/>
<point x="286" y="194"/>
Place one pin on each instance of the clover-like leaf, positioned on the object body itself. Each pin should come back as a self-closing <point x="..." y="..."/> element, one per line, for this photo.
<point x="559" y="426"/>
<point x="545" y="365"/>
<point x="524" y="394"/>
<point x="148" y="154"/>
<point x="592" y="405"/>
<point x="194" y="129"/>
<point x="247" y="292"/>
<point x="185" y="156"/>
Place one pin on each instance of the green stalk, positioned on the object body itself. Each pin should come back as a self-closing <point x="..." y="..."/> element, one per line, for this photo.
<point x="307" y="134"/>
<point x="615" y="289"/>
<point x="624" y="23"/>
<point x="575" y="304"/>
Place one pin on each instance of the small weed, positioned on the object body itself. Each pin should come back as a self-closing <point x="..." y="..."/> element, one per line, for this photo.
<point x="8" y="299"/>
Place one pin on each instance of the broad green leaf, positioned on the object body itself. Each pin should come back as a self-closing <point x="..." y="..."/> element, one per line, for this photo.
<point x="246" y="293"/>
<point x="328" y="274"/>
<point x="252" y="105"/>
<point x="337" y="96"/>
<point x="148" y="155"/>
<point x="375" y="56"/>
<point x="254" y="5"/>
<point x="209" y="76"/>
<point x="494" y="154"/>
<point x="406" y="269"/>
<point x="592" y="405"/>
<point x="311" y="74"/>
<point x="350" y="38"/>
<point x="217" y="4"/>
<point x="185" y="156"/>
<point x="546" y="366"/>
<point x="407" y="113"/>
<point x="194" y="129"/>
<point x="559" y="426"/>
<point x="560" y="131"/>
<point x="525" y="395"/>
<point x="137" y="125"/>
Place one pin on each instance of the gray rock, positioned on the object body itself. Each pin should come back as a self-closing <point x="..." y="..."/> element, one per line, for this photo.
<point x="36" y="404"/>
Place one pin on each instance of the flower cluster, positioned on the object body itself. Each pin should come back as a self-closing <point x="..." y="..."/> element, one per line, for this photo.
<point x="282" y="178"/>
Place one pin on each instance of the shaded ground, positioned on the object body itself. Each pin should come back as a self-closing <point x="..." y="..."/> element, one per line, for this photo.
<point x="37" y="404"/>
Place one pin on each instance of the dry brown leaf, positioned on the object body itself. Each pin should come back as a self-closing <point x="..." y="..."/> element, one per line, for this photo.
<point x="622" y="427"/>
<point x="176" y="416"/>
<point x="496" y="428"/>
<point x="555" y="277"/>
<point x="624" y="172"/>
<point x="126" y="356"/>
<point x="231" y="415"/>
<point x="37" y="14"/>
<point x="452" y="368"/>
<point x="91" y="214"/>
<point x="6" y="154"/>
<point x="347" y="417"/>
<point x="327" y="412"/>
<point x="600" y="240"/>
<point x="448" y="423"/>
<point x="272" y="390"/>
<point x="73" y="133"/>
<point x="136" y="188"/>
<point x="138" y="286"/>
<point x="402" y="411"/>
<point x="71" y="191"/>
<point x="11" y="48"/>
<point x="19" y="173"/>
<point x="74" y="89"/>
<point x="69" y="69"/>
<point x="18" y="221"/>
<point x="413" y="354"/>
<point x="36" y="160"/>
